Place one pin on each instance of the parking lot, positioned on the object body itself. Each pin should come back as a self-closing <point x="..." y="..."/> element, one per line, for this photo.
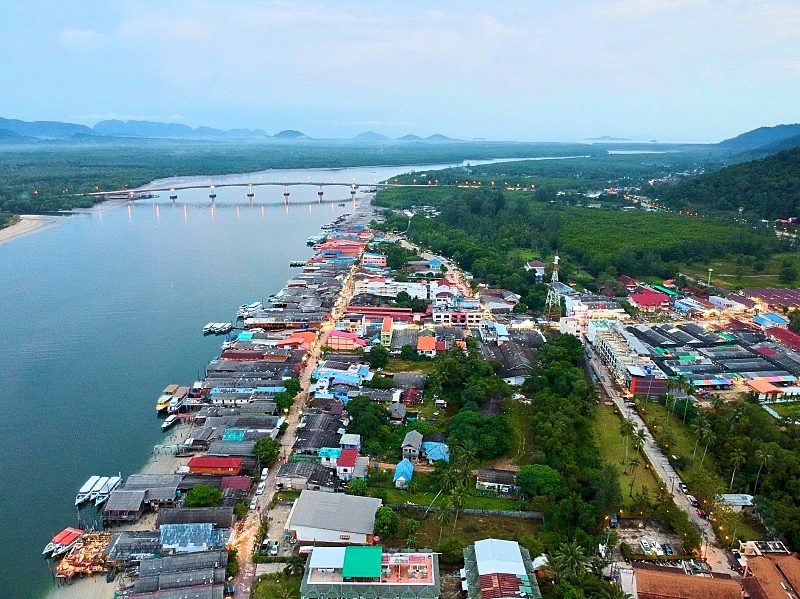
<point x="632" y="531"/>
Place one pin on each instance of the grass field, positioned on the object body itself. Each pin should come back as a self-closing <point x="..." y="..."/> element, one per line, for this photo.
<point x="787" y="410"/>
<point x="468" y="529"/>
<point x="612" y="450"/>
<point x="521" y="451"/>
<point x="398" y="365"/>
<point x="732" y="275"/>
<point x="276" y="586"/>
<point x="488" y="502"/>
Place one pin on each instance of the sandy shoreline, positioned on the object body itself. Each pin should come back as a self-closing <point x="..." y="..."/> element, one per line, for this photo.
<point x="28" y="223"/>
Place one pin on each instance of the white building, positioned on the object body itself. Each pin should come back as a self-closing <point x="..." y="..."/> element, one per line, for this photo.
<point x="333" y="518"/>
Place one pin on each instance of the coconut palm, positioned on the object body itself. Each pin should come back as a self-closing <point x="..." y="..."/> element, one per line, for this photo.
<point x="459" y="498"/>
<point x="626" y="430"/>
<point x="764" y="457"/>
<point x="295" y="565"/>
<point x="568" y="560"/>
<point x="443" y="515"/>
<point x="641" y="438"/>
<point x="716" y="401"/>
<point x="634" y="463"/>
<point x="700" y="427"/>
<point x="709" y="438"/>
<point x="738" y="459"/>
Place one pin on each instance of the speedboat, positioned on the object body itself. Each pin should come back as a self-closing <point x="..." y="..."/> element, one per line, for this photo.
<point x="61" y="543"/>
<point x="171" y="419"/>
<point x="98" y="486"/>
<point x="105" y="492"/>
<point x="83" y="493"/>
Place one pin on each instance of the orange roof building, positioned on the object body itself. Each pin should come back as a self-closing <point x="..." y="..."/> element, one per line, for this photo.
<point x="664" y="584"/>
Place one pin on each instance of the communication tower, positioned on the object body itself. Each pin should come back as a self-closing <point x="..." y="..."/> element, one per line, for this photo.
<point x="552" y="305"/>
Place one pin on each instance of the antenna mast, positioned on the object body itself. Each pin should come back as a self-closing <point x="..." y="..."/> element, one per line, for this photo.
<point x="552" y="305"/>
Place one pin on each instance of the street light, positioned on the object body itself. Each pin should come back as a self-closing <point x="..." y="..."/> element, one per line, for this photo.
<point x="710" y="270"/>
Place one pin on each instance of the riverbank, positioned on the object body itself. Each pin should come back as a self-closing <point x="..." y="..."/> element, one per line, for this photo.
<point x="28" y="223"/>
<point x="96" y="587"/>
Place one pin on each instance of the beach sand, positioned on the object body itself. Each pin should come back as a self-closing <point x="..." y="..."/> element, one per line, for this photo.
<point x="96" y="586"/>
<point x="28" y="223"/>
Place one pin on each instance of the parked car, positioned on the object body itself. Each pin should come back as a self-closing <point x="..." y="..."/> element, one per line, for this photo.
<point x="254" y="503"/>
<point x="264" y="473"/>
<point x="668" y="549"/>
<point x="273" y="551"/>
<point x="692" y="499"/>
<point x="645" y="546"/>
<point x="684" y="488"/>
<point x="701" y="513"/>
<point x="260" y="488"/>
<point x="614" y="521"/>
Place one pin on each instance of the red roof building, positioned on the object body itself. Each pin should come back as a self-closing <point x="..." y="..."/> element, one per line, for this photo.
<point x="240" y="483"/>
<point x="347" y="459"/>
<point x="785" y="337"/>
<point x="648" y="300"/>
<point x="215" y="465"/>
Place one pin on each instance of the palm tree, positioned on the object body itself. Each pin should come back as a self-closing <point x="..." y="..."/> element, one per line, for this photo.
<point x="459" y="498"/>
<point x="612" y="591"/>
<point x="641" y="437"/>
<point x="447" y="476"/>
<point x="286" y="593"/>
<point x="764" y="457"/>
<point x="412" y="526"/>
<point x="716" y="402"/>
<point x="295" y="565"/>
<point x="669" y="399"/>
<point x="738" y="459"/>
<point x="568" y="561"/>
<point x="700" y="427"/>
<point x="443" y="515"/>
<point x="626" y="430"/>
<point x="709" y="438"/>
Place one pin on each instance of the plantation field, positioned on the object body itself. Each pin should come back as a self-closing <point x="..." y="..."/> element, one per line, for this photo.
<point x="747" y="271"/>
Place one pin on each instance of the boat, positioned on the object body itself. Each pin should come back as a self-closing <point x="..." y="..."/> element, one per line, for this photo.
<point x="208" y="329"/>
<point x="83" y="493"/>
<point x="166" y="396"/>
<point x="342" y="205"/>
<point x="177" y="400"/>
<point x="103" y="494"/>
<point x="97" y="486"/>
<point x="171" y="419"/>
<point x="62" y="542"/>
<point x="248" y="309"/>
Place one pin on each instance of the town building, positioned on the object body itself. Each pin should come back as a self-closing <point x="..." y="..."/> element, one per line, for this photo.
<point x="332" y="518"/>
<point x="403" y="473"/>
<point x="495" y="569"/>
<point x="226" y="466"/>
<point x="360" y="572"/>
<point x="501" y="481"/>
<point x="370" y="259"/>
<point x="648" y="300"/>
<point x="412" y="445"/>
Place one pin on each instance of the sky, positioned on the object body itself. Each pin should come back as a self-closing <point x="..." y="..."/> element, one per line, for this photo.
<point x="531" y="70"/>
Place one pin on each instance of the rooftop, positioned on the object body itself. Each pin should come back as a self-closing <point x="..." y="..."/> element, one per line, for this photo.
<point x="333" y="511"/>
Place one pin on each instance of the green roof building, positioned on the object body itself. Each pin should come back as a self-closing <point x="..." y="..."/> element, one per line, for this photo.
<point x="355" y="572"/>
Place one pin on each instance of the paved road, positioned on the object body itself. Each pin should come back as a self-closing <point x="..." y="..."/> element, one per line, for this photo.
<point x="716" y="556"/>
<point x="246" y="535"/>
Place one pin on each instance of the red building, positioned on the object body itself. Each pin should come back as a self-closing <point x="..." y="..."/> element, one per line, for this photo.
<point x="215" y="465"/>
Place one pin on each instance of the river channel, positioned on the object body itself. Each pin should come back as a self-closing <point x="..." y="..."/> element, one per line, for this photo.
<point x="104" y="310"/>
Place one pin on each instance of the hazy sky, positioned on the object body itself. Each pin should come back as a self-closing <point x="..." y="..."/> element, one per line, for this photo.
<point x="697" y="70"/>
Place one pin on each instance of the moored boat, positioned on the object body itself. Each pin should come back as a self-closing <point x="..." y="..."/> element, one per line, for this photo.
<point x="171" y="419"/>
<point x="62" y="542"/>
<point x="83" y="493"/>
<point x="103" y="494"/>
<point x="166" y="396"/>
<point x="97" y="486"/>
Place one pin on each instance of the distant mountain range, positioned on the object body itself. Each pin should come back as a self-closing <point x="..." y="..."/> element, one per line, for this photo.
<point x="16" y="131"/>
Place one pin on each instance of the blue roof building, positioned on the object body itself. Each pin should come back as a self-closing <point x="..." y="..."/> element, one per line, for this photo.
<point x="403" y="473"/>
<point x="434" y="451"/>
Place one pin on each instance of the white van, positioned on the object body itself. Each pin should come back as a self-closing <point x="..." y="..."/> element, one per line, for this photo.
<point x="264" y="473"/>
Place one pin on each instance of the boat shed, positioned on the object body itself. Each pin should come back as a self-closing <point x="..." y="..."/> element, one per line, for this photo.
<point x="215" y="591"/>
<point x="124" y="505"/>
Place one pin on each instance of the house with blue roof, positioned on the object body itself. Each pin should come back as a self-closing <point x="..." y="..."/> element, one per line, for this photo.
<point x="434" y="451"/>
<point x="403" y="473"/>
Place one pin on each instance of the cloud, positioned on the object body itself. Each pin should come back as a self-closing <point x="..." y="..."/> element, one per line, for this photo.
<point x="79" y="36"/>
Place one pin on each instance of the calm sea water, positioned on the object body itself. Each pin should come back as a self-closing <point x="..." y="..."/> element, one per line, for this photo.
<point x="102" y="311"/>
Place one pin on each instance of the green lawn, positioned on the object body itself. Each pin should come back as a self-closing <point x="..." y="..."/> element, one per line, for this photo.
<point x="521" y="451"/>
<point x="730" y="275"/>
<point x="488" y="502"/>
<point x="612" y="450"/>
<point x="787" y="410"/>
<point x="468" y="529"/>
<point x="398" y="365"/>
<point x="275" y="586"/>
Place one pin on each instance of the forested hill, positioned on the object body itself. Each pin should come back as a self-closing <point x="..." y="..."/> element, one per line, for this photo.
<point x="767" y="188"/>
<point x="763" y="136"/>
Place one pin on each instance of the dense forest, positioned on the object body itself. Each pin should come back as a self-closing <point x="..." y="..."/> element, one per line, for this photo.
<point x="768" y="188"/>
<point x="491" y="232"/>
